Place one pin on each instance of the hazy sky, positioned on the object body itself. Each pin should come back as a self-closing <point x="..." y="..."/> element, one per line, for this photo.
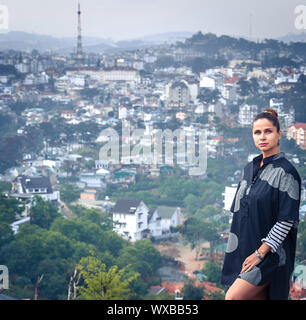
<point x="127" y="19"/>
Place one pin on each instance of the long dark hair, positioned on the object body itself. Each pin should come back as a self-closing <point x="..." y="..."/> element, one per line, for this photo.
<point x="270" y="115"/>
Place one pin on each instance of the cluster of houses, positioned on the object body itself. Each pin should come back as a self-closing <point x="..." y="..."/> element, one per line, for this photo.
<point x="133" y="220"/>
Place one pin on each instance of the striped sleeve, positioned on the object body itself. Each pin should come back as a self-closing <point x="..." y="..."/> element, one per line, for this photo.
<point x="278" y="234"/>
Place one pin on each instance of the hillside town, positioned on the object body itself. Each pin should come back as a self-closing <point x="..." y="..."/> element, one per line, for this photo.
<point x="54" y="109"/>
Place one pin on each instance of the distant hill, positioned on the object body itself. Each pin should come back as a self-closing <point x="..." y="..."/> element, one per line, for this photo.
<point x="169" y="37"/>
<point x="293" y="37"/>
<point x="18" y="40"/>
<point x="209" y="42"/>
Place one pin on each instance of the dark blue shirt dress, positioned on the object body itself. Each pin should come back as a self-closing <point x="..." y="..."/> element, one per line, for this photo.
<point x="264" y="196"/>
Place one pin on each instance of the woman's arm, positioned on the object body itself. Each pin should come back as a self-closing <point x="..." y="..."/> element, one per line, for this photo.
<point x="273" y="240"/>
<point x="277" y="234"/>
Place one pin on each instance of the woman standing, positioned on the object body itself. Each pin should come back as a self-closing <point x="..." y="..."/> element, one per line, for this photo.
<point x="260" y="252"/>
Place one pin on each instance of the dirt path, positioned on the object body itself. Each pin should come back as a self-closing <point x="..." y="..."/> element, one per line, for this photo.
<point x="67" y="212"/>
<point x="184" y="254"/>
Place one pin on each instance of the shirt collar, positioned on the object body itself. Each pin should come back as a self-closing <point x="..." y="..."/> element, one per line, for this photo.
<point x="269" y="159"/>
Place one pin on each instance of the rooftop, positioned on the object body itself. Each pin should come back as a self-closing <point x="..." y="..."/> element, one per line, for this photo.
<point x="126" y="206"/>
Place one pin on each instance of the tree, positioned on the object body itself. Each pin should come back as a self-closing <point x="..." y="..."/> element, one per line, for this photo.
<point x="301" y="241"/>
<point x="199" y="65"/>
<point x="69" y="193"/>
<point x="103" y="220"/>
<point x="102" y="284"/>
<point x="190" y="291"/>
<point x="191" y="203"/>
<point x="73" y="283"/>
<point x="9" y="207"/>
<point x="244" y="87"/>
<point x="18" y="107"/>
<point x="5" y="187"/>
<point x="197" y="231"/>
<point x="164" y="62"/>
<point x="208" y="95"/>
<point x="84" y="231"/>
<point x="212" y="271"/>
<point x="43" y="213"/>
<point x="6" y="233"/>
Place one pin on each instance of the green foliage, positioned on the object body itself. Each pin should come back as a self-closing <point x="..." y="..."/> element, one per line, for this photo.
<point x="5" y="187"/>
<point x="196" y="229"/>
<point x="69" y="192"/>
<point x="218" y="295"/>
<point x="78" y="230"/>
<point x="8" y="125"/>
<point x="190" y="291"/>
<point x="105" y="221"/>
<point x="6" y="69"/>
<point x="6" y="233"/>
<point x="212" y="271"/>
<point x="103" y="284"/>
<point x="43" y="213"/>
<point x="11" y="149"/>
<point x="142" y="257"/>
<point x="55" y="252"/>
<point x="164" y="61"/>
<point x="301" y="241"/>
<point x="89" y="92"/>
<point x="19" y="106"/>
<point x="191" y="203"/>
<point x="52" y="246"/>
<point x="161" y="297"/>
<point x="176" y="191"/>
<point x="9" y="207"/>
<point x="207" y="212"/>
<point x="208" y="95"/>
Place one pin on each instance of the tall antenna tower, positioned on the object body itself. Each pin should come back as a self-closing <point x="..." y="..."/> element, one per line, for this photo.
<point x="79" y="53"/>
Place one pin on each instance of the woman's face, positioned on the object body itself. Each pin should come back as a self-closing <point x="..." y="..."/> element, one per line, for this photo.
<point x="266" y="137"/>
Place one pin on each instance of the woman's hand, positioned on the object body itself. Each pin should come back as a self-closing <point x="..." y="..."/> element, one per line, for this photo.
<point x="249" y="263"/>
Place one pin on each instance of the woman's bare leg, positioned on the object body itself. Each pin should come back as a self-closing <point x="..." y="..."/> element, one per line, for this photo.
<point x="243" y="290"/>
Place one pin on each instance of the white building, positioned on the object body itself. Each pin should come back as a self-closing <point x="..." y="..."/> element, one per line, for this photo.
<point x="122" y="113"/>
<point x="79" y="80"/>
<point x="247" y="114"/>
<point x="120" y="74"/>
<point x="93" y="180"/>
<point x="291" y="79"/>
<point x="229" y="195"/>
<point x="193" y="87"/>
<point x="62" y="83"/>
<point x="207" y="82"/>
<point x="162" y="218"/>
<point x="229" y="92"/>
<point x="130" y="219"/>
<point x="30" y="80"/>
<point x="26" y="187"/>
<point x="133" y="220"/>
